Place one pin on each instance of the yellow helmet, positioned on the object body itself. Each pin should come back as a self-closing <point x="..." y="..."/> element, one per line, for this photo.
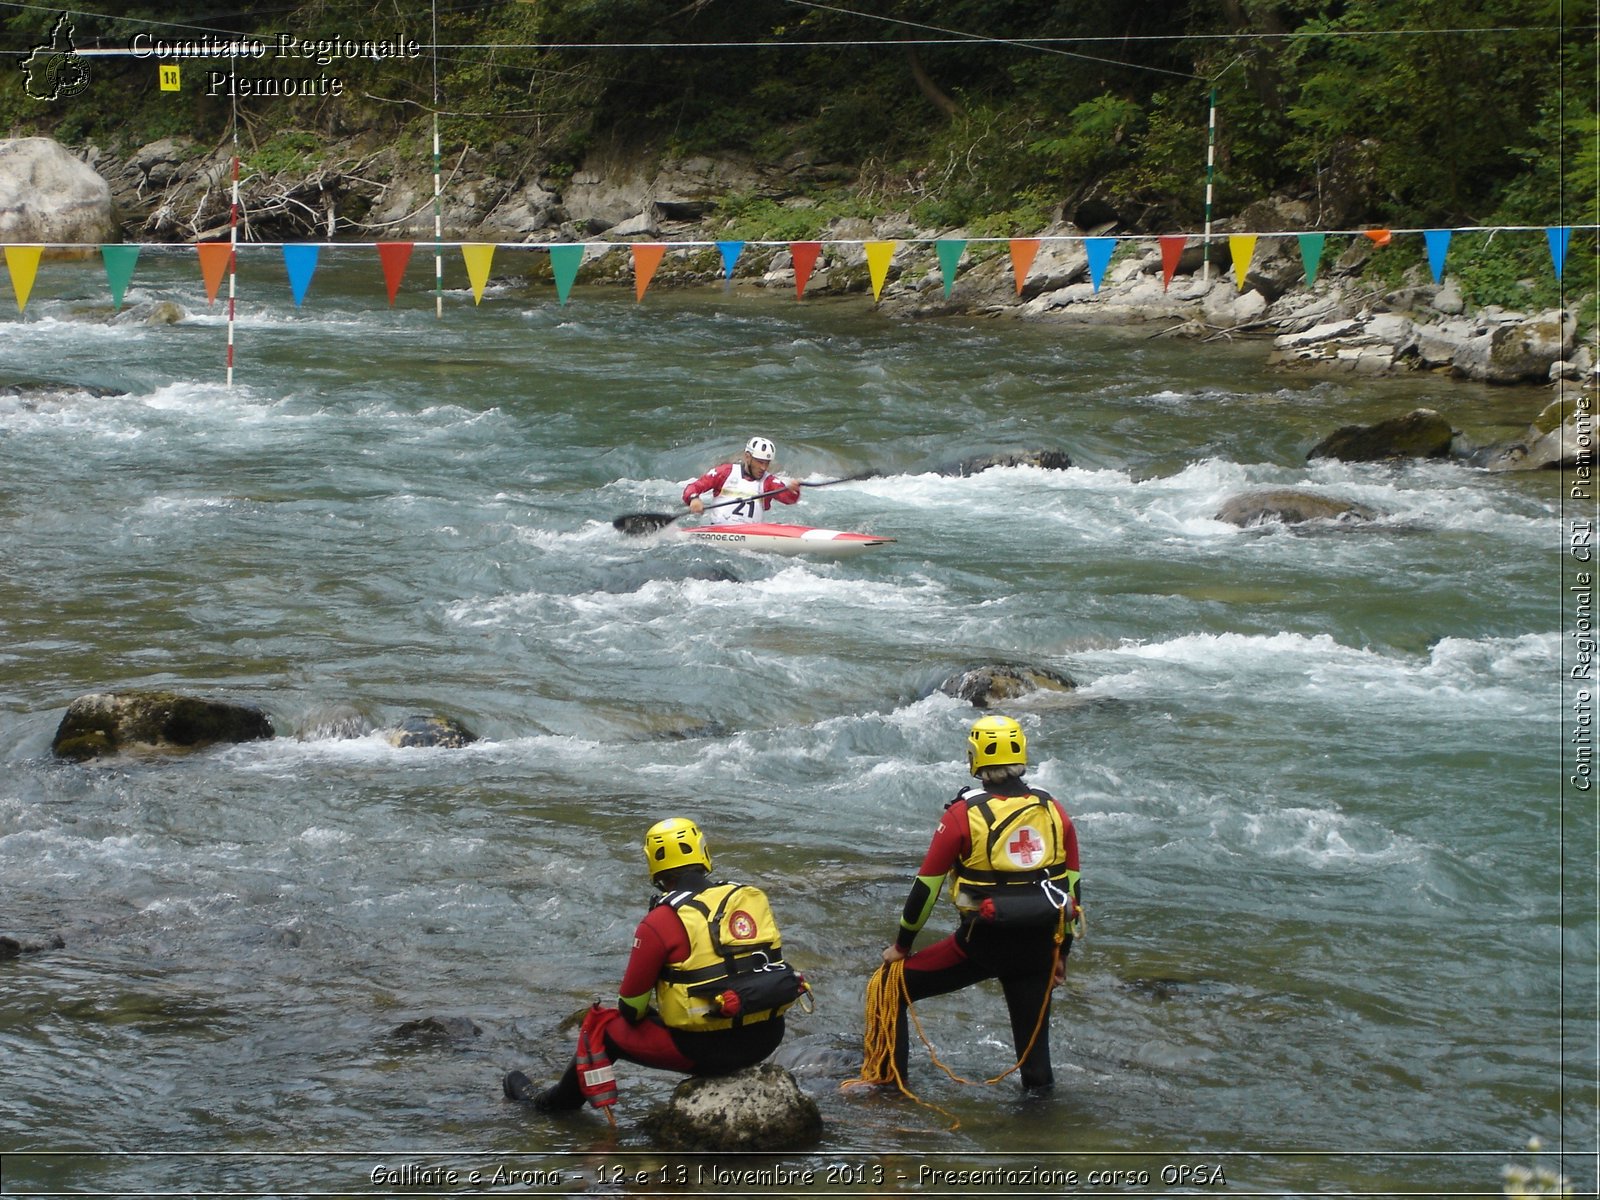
<point x="675" y="842"/>
<point x="995" y="742"/>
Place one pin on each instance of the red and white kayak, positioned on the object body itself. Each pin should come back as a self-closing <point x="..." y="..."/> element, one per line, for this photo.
<point x="784" y="539"/>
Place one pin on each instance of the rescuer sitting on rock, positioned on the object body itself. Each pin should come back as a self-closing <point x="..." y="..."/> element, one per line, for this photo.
<point x="710" y="954"/>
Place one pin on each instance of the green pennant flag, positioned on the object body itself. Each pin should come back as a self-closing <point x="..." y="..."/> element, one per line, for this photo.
<point x="565" y="261"/>
<point x="119" y="262"/>
<point x="949" y="251"/>
<point x="1311" y="254"/>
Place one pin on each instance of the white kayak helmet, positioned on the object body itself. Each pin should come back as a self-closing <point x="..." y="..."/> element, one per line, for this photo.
<point x="760" y="447"/>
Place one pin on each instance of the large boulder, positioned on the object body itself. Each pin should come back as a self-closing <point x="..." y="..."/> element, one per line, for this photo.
<point x="1290" y="506"/>
<point x="759" y="1108"/>
<point x="1520" y="350"/>
<point x="153" y="723"/>
<point x="47" y="195"/>
<point x="1421" y="433"/>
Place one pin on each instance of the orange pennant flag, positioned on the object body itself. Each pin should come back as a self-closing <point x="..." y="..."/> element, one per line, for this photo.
<point x="1380" y="237"/>
<point x="879" y="255"/>
<point x="23" y="263"/>
<point x="478" y="256"/>
<point x="214" y="260"/>
<point x="1172" y="246"/>
<point x="646" y="258"/>
<point x="394" y="256"/>
<point x="1022" y="253"/>
<point x="805" y="258"/>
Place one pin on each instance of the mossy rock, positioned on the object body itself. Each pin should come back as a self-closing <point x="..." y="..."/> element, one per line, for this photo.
<point x="154" y="722"/>
<point x="1421" y="433"/>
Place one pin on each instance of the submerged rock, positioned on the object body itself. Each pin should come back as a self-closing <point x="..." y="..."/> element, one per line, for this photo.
<point x="986" y="685"/>
<point x="155" y="723"/>
<point x="430" y="730"/>
<point x="1050" y="460"/>
<point x="1421" y="433"/>
<point x="759" y="1108"/>
<point x="1290" y="507"/>
<point x="437" y="1029"/>
<point x="11" y="947"/>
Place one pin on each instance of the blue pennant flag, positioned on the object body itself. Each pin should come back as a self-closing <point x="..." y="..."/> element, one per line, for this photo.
<point x="730" y="252"/>
<point x="302" y="263"/>
<point x="1559" y="237"/>
<point x="1099" y="251"/>
<point x="1438" y="246"/>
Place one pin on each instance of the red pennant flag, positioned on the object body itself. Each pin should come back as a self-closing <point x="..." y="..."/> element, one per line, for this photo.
<point x="805" y="258"/>
<point x="214" y="258"/>
<point x="395" y="256"/>
<point x="646" y="258"/>
<point x="1380" y="237"/>
<point x="1171" y="251"/>
<point x="1022" y="252"/>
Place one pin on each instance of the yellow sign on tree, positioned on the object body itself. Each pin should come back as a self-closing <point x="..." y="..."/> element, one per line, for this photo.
<point x="169" y="77"/>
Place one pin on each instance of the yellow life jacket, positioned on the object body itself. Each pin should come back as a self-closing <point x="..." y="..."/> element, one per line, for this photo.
<point x="1016" y="841"/>
<point x="732" y="935"/>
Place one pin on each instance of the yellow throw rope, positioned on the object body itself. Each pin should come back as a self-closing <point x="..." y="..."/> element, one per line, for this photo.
<point x="885" y="992"/>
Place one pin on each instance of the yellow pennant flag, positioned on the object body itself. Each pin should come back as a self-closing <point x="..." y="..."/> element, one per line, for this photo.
<point x="478" y="256"/>
<point x="1243" y="248"/>
<point x="23" y="263"/>
<point x="878" y="256"/>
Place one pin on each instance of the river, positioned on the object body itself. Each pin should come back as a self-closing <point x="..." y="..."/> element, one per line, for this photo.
<point x="1338" y="873"/>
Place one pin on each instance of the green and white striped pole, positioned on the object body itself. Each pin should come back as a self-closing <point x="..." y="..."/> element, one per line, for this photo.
<point x="1211" y="173"/>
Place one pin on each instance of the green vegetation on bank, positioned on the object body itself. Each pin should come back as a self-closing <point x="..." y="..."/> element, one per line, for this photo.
<point x="995" y="115"/>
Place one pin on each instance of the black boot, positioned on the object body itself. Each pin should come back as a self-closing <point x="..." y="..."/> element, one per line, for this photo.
<point x="564" y="1095"/>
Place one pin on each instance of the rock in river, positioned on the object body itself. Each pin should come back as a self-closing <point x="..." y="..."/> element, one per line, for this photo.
<point x="154" y="723"/>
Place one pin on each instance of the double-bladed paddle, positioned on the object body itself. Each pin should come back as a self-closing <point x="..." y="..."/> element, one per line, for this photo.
<point x="650" y="522"/>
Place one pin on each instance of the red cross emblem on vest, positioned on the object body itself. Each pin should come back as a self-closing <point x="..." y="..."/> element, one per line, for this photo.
<point x="1025" y="847"/>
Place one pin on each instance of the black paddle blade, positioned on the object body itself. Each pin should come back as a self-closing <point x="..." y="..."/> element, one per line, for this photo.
<point x="640" y="523"/>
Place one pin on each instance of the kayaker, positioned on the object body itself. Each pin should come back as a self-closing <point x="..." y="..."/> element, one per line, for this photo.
<point x="746" y="480"/>
<point x="1012" y="854"/>
<point x="710" y="955"/>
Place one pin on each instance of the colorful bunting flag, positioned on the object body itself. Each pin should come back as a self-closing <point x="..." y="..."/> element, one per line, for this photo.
<point x="805" y="258"/>
<point x="119" y="261"/>
<point x="215" y="258"/>
<point x="1559" y="237"/>
<point x="646" y="258"/>
<point x="1022" y="255"/>
<point x="1099" y="251"/>
<point x="23" y="263"/>
<point x="1311" y="246"/>
<point x="949" y="251"/>
<point x="730" y="252"/>
<point x="1380" y="237"/>
<point x="1242" y="246"/>
<point x="395" y="257"/>
<point x="879" y="255"/>
<point x="1172" y="247"/>
<point x="564" y="262"/>
<point x="478" y="256"/>
<point x="1438" y="241"/>
<point x="301" y="262"/>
